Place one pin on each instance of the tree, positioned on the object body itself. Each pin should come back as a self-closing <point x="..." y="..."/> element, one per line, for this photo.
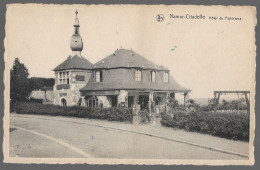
<point x="38" y="83"/>
<point x="191" y="101"/>
<point x="171" y="102"/>
<point x="20" y="87"/>
<point x="192" y="105"/>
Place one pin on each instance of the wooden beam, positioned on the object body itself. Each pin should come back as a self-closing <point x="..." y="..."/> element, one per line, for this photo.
<point x="218" y="98"/>
<point x="184" y="96"/>
<point x="150" y="101"/>
<point x="231" y="91"/>
<point x="218" y="93"/>
<point x="215" y="102"/>
<point x="45" y="96"/>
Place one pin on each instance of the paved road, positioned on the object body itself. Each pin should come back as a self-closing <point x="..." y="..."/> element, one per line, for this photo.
<point x="52" y="137"/>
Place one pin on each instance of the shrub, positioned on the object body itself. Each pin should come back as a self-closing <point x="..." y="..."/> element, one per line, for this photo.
<point x="34" y="100"/>
<point x="111" y="114"/>
<point x="227" y="125"/>
<point x="145" y="117"/>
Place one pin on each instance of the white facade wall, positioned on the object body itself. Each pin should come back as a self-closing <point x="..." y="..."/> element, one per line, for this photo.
<point x="105" y="101"/>
<point x="39" y="94"/>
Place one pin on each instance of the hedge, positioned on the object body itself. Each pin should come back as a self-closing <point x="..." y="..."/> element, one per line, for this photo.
<point x="110" y="114"/>
<point x="227" y="125"/>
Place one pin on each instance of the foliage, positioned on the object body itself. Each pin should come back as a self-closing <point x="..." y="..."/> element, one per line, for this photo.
<point x="206" y="108"/>
<point x="233" y="105"/>
<point x="239" y="104"/>
<point x="31" y="99"/>
<point x="171" y="102"/>
<point x="12" y="106"/>
<point x="111" y="114"/>
<point x="19" y="83"/>
<point x="37" y="83"/>
<point x="227" y="125"/>
<point x="145" y="116"/>
<point x="192" y="105"/>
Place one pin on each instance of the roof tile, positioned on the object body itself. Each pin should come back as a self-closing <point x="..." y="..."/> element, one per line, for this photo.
<point x="75" y="62"/>
<point x="121" y="78"/>
<point x="123" y="58"/>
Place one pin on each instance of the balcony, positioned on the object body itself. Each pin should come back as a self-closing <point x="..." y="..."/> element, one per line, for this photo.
<point x="63" y="86"/>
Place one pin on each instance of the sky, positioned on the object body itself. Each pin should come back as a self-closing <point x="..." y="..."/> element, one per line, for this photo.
<point x="202" y="55"/>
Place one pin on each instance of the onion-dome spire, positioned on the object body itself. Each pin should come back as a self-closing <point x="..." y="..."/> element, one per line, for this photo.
<point x="76" y="43"/>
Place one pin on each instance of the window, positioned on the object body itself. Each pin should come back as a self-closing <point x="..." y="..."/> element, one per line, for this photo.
<point x="152" y="76"/>
<point x="138" y="75"/>
<point x="98" y="76"/>
<point x="80" y="78"/>
<point x="60" y="78"/>
<point x="63" y="78"/>
<point x="92" y="102"/>
<point x="165" y="77"/>
<point x="68" y="78"/>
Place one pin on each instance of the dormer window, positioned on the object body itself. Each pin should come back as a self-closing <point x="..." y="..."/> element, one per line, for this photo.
<point x="152" y="76"/>
<point x="165" y="77"/>
<point x="98" y="76"/>
<point x="138" y="75"/>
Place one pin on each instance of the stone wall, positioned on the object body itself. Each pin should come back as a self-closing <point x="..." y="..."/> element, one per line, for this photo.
<point x="38" y="94"/>
<point x="71" y="95"/>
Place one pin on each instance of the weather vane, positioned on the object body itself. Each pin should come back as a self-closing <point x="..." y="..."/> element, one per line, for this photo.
<point x="76" y="13"/>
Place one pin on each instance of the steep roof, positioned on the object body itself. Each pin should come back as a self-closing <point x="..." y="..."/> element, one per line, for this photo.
<point x="116" y="79"/>
<point x="123" y="58"/>
<point x="75" y="62"/>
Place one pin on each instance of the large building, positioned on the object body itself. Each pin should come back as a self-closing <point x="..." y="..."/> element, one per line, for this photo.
<point x="123" y="78"/>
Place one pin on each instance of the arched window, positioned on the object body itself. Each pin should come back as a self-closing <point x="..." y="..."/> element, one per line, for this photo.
<point x="152" y="76"/>
<point x="98" y="76"/>
<point x="92" y="101"/>
<point x="138" y="75"/>
<point x="63" y="102"/>
<point x="165" y="77"/>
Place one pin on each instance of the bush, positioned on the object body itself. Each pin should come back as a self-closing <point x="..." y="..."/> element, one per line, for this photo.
<point x="34" y="100"/>
<point x="145" y="117"/>
<point x="227" y="125"/>
<point x="111" y="114"/>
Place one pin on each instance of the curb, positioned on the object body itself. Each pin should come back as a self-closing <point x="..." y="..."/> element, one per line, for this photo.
<point x="152" y="135"/>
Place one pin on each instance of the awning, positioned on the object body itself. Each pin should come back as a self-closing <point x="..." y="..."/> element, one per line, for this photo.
<point x="99" y="93"/>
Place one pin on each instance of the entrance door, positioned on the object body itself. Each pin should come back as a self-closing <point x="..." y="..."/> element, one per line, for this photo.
<point x="63" y="102"/>
<point x="143" y="101"/>
<point x="130" y="101"/>
<point x="114" y="101"/>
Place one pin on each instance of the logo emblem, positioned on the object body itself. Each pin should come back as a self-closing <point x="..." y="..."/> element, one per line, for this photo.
<point x="160" y="17"/>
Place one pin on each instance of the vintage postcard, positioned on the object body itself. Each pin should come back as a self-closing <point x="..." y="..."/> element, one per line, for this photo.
<point x="129" y="84"/>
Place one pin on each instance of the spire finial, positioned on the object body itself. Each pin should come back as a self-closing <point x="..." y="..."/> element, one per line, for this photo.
<point x="76" y="13"/>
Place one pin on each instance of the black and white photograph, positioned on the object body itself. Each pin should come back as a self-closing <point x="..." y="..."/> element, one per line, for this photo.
<point x="129" y="84"/>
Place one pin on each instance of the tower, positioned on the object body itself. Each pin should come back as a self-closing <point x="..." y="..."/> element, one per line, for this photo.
<point x="76" y="43"/>
<point x="73" y="73"/>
